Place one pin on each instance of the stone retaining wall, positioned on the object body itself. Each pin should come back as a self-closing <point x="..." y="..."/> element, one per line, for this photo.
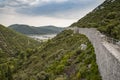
<point x="109" y="65"/>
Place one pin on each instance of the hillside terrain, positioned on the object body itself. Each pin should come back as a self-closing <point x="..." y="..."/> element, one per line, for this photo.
<point x="11" y="41"/>
<point x="61" y="58"/>
<point x="105" y="17"/>
<point x="13" y="49"/>
<point x="31" y="30"/>
<point x="68" y="56"/>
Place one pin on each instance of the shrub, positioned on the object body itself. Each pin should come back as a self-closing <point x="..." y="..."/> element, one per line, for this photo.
<point x="42" y="76"/>
<point x="60" y="68"/>
<point x="111" y="15"/>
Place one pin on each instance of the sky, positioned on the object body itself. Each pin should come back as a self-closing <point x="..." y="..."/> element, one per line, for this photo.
<point x="61" y="13"/>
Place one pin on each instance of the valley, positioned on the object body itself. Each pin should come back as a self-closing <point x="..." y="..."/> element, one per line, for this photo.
<point x="86" y="50"/>
<point x="59" y="58"/>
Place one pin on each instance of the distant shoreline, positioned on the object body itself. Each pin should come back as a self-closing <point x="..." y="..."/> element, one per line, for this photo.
<point x="42" y="37"/>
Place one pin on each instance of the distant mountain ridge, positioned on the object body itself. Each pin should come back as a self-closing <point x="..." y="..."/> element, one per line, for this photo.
<point x="31" y="30"/>
<point x="12" y="41"/>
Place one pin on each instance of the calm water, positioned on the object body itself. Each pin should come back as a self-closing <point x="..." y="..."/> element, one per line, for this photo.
<point x="43" y="37"/>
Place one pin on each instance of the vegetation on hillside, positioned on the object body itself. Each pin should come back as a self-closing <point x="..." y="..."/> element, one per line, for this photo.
<point x="11" y="41"/>
<point x="14" y="49"/>
<point x="105" y="17"/>
<point x="61" y="59"/>
<point x="31" y="30"/>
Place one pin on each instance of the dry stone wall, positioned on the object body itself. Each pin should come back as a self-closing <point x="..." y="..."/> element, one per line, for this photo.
<point x="109" y="65"/>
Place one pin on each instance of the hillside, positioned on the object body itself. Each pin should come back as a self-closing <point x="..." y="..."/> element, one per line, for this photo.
<point x="61" y="58"/>
<point x="105" y="17"/>
<point x="11" y="41"/>
<point x="31" y="30"/>
<point x="14" y="49"/>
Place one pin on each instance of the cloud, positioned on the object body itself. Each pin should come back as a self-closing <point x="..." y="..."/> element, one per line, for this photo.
<point x="21" y="3"/>
<point x="59" y="9"/>
<point x="28" y="3"/>
<point x="41" y="11"/>
<point x="34" y="21"/>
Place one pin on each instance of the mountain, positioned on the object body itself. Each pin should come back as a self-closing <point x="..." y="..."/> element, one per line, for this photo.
<point x="61" y="58"/>
<point x="106" y="18"/>
<point x="11" y="41"/>
<point x="31" y="30"/>
<point x="13" y="50"/>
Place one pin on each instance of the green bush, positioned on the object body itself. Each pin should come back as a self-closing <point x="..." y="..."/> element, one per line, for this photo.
<point x="111" y="15"/>
<point x="60" y="68"/>
<point x="42" y="76"/>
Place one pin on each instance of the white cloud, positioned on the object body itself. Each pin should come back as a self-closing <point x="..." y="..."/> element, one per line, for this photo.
<point x="8" y="14"/>
<point x="54" y="0"/>
<point x="29" y="2"/>
<point x="20" y="3"/>
<point x="34" y="21"/>
<point x="34" y="3"/>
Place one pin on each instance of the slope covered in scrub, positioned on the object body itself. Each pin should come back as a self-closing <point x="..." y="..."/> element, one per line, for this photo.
<point x="14" y="49"/>
<point x="61" y="59"/>
<point x="31" y="30"/>
<point x="105" y="17"/>
<point x="11" y="41"/>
